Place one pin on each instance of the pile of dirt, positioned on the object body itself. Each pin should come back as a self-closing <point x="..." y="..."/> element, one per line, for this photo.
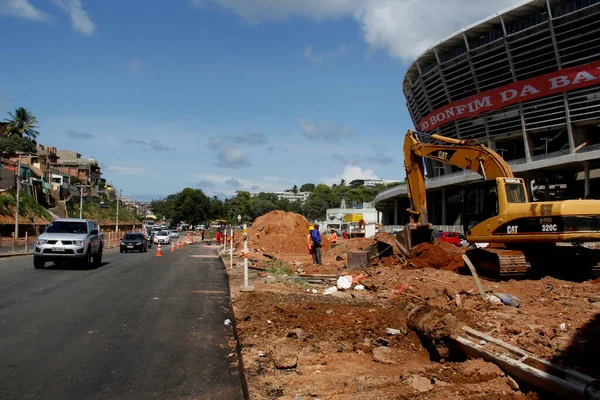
<point x="440" y="255"/>
<point x="281" y="233"/>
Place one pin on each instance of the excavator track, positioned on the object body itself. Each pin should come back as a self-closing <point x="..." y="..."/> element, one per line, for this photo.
<point x="564" y="262"/>
<point x="499" y="264"/>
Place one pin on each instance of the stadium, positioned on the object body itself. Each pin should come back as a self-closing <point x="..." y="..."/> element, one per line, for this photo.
<point x="524" y="82"/>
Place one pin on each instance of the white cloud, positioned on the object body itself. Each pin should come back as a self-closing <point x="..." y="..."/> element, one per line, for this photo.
<point x="324" y="131"/>
<point x="22" y="9"/>
<point x="79" y="18"/>
<point x="317" y="57"/>
<point x="134" y="64"/>
<point x="232" y="157"/>
<point x="402" y="28"/>
<point x="351" y="172"/>
<point x="125" y="170"/>
<point x="229" y="184"/>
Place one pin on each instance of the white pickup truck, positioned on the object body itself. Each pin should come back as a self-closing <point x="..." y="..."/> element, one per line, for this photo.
<point x="68" y="240"/>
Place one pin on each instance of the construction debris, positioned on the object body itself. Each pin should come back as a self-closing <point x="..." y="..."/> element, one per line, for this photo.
<point x="418" y="318"/>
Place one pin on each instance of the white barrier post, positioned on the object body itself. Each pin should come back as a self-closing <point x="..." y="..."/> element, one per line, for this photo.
<point x="231" y="248"/>
<point x="25" y="241"/>
<point x="246" y="288"/>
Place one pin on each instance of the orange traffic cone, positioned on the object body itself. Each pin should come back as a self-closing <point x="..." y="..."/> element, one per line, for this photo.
<point x="158" y="251"/>
<point x="178" y="244"/>
<point x="172" y="247"/>
<point x="191" y="238"/>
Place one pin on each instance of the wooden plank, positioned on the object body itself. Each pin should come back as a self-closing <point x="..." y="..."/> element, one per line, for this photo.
<point x="475" y="276"/>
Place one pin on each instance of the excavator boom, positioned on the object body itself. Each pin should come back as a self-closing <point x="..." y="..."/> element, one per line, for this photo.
<point x="465" y="154"/>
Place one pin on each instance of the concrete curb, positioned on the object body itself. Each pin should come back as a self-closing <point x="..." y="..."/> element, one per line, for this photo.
<point x="6" y="255"/>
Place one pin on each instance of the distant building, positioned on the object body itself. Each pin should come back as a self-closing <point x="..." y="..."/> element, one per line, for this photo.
<point x="86" y="170"/>
<point x="372" y="182"/>
<point x="334" y="217"/>
<point x="291" y="196"/>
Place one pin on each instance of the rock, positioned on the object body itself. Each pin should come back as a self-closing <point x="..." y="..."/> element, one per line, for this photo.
<point x="342" y="295"/>
<point x="285" y="360"/>
<point x="393" y="331"/>
<point x="340" y="349"/>
<point x="382" y="341"/>
<point x="481" y="369"/>
<point x="512" y="383"/>
<point x="514" y="329"/>
<point x="297" y="333"/>
<point x="419" y="383"/>
<point x="383" y="355"/>
<point x="270" y="279"/>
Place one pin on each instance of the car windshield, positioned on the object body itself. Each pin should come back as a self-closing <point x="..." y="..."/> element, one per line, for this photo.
<point x="163" y="233"/>
<point x="133" y="236"/>
<point x="67" y="227"/>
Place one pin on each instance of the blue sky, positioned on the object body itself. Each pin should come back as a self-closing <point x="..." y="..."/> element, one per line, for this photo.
<point x="222" y="95"/>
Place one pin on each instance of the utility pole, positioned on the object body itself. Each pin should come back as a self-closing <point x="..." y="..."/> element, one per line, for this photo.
<point x="80" y="201"/>
<point x="18" y="190"/>
<point x="118" y="199"/>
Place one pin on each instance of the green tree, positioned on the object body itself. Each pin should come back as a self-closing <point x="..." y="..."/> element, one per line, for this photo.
<point x="217" y="209"/>
<point x="238" y="205"/>
<point x="295" y="189"/>
<point x="307" y="187"/>
<point x="262" y="203"/>
<point x="191" y="206"/>
<point x="15" y="143"/>
<point x="22" y="123"/>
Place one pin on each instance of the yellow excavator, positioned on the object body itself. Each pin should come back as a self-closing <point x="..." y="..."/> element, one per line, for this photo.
<point x="496" y="210"/>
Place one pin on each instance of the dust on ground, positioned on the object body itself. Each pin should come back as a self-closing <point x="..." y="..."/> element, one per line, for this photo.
<point x="297" y="342"/>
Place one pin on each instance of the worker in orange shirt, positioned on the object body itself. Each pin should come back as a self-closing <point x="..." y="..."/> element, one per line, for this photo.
<point x="333" y="237"/>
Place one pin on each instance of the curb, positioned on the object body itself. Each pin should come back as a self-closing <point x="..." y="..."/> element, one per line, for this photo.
<point x="6" y="255"/>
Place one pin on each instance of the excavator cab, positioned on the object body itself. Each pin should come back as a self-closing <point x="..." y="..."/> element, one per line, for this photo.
<point x="479" y="202"/>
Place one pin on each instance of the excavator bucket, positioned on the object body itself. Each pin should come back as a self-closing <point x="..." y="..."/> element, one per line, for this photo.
<point x="414" y="234"/>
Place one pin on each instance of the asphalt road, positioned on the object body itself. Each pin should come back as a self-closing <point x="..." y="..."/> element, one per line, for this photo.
<point x="139" y="327"/>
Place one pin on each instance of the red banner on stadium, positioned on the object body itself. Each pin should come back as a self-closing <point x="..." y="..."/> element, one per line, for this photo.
<point x="540" y="86"/>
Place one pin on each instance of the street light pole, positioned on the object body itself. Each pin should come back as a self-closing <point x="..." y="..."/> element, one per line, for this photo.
<point x="80" y="201"/>
<point x="99" y="207"/>
<point x="18" y="190"/>
<point x="118" y="199"/>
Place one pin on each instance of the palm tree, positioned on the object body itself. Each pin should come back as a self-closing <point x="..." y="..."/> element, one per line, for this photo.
<point x="295" y="189"/>
<point x="22" y="123"/>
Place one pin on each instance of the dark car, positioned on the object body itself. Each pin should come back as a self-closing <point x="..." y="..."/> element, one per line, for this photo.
<point x="134" y="241"/>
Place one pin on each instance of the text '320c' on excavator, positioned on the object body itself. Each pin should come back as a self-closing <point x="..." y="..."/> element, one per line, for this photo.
<point x="524" y="236"/>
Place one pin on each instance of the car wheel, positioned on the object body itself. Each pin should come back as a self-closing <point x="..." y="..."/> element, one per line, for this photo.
<point x="88" y="258"/>
<point x="98" y="258"/>
<point x="121" y="250"/>
<point x="38" y="263"/>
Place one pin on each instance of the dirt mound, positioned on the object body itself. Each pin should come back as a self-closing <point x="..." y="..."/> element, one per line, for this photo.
<point x="280" y="233"/>
<point x="440" y="255"/>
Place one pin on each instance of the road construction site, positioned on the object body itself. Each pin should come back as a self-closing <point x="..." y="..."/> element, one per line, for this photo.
<point x="374" y="323"/>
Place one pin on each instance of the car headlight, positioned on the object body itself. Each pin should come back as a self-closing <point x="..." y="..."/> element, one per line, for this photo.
<point x="122" y="243"/>
<point x="40" y="241"/>
<point x="79" y="242"/>
<point x="139" y="243"/>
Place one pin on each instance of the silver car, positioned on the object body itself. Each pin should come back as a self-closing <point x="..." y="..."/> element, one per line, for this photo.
<point x="69" y="239"/>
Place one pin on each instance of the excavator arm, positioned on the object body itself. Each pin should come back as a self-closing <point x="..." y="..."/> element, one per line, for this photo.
<point x="466" y="154"/>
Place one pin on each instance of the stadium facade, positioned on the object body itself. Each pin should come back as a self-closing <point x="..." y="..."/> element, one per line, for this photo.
<point x="525" y="82"/>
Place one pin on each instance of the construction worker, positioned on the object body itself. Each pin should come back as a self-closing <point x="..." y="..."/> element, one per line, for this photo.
<point x="309" y="242"/>
<point x="218" y="237"/>
<point x="316" y="244"/>
<point x="333" y="237"/>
